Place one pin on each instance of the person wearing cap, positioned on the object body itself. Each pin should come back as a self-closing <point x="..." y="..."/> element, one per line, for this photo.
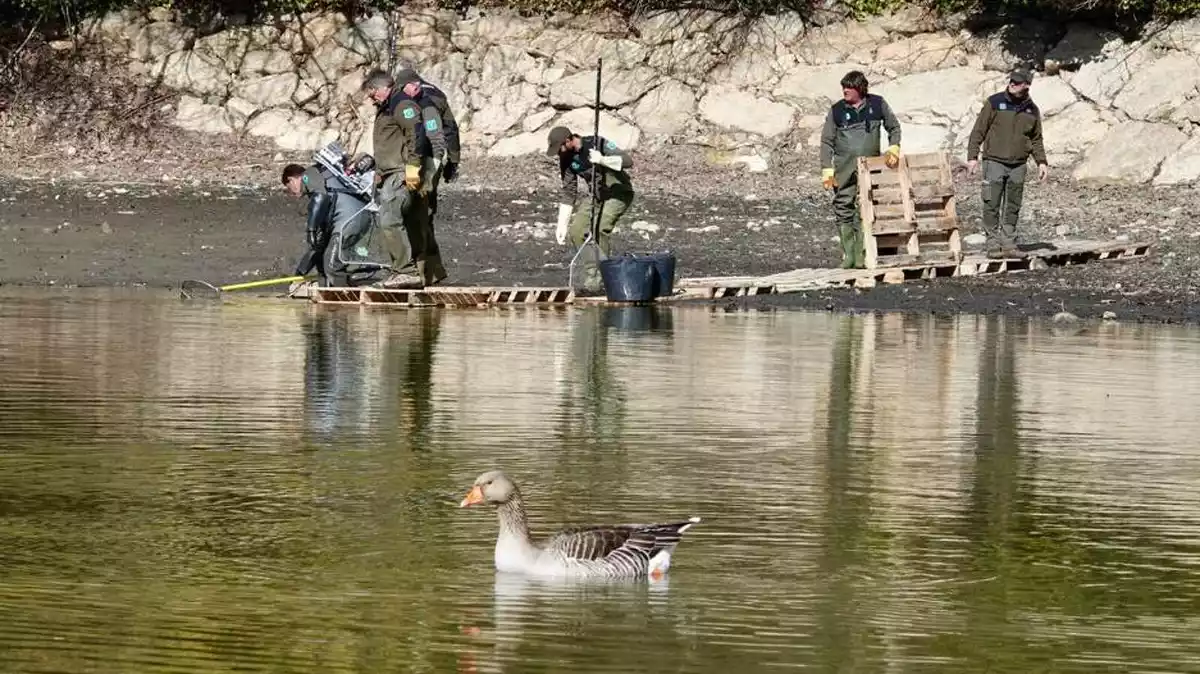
<point x="852" y="130"/>
<point x="441" y="128"/>
<point x="1007" y="131"/>
<point x="408" y="170"/>
<point x="578" y="157"/>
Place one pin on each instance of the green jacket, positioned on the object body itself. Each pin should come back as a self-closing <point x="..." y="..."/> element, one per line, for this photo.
<point x="1008" y="130"/>
<point x="398" y="134"/>
<point x="443" y="133"/>
<point x="851" y="132"/>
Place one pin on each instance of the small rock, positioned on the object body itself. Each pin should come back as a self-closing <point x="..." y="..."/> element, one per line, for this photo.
<point x="1065" y="317"/>
<point x="1062" y="230"/>
<point x="105" y="228"/>
<point x="643" y="226"/>
<point x="975" y="239"/>
<point x="703" y="230"/>
<point x="1110" y="316"/>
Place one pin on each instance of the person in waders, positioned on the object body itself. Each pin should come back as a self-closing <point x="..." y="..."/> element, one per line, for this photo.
<point x="336" y="223"/>
<point x="852" y="130"/>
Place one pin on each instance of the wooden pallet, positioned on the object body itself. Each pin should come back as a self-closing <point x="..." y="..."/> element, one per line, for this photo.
<point x="1065" y="253"/>
<point x="716" y="287"/>
<point x="443" y="297"/>
<point x="908" y="213"/>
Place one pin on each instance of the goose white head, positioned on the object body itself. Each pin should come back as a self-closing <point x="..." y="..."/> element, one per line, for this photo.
<point x="491" y="487"/>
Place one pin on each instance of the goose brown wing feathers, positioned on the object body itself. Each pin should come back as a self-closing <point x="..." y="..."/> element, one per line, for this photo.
<point x="600" y="542"/>
<point x="590" y="542"/>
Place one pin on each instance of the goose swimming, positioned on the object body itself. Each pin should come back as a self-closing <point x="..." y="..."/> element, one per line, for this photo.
<point x="608" y="551"/>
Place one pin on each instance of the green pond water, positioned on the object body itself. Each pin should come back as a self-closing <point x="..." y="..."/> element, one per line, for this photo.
<point x="272" y="486"/>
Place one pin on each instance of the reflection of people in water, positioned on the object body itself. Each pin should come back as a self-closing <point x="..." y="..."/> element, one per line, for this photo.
<point x="339" y="385"/>
<point x="409" y="363"/>
<point x="331" y="359"/>
<point x="593" y="398"/>
<point x="846" y="522"/>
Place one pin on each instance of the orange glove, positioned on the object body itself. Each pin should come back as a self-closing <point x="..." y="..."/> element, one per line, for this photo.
<point x="412" y="177"/>
<point x="827" y="178"/>
<point x="891" y="158"/>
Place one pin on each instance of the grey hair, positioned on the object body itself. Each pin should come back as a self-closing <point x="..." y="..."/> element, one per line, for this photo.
<point x="379" y="79"/>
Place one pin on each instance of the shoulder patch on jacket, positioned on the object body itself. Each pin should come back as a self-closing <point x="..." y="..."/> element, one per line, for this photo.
<point x="409" y="113"/>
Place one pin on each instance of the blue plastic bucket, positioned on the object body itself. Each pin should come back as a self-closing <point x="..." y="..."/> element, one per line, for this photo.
<point x="664" y="276"/>
<point x="628" y="278"/>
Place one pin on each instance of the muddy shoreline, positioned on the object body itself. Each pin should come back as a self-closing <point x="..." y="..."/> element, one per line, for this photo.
<point x="155" y="231"/>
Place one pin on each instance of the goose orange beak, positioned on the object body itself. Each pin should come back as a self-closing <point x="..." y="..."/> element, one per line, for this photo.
<point x="474" y="497"/>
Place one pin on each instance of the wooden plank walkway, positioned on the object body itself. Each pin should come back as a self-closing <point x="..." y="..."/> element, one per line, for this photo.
<point x="449" y="296"/>
<point x="1063" y="255"/>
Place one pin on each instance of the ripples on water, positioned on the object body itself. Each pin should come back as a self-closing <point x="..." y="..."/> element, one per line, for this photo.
<point x="266" y="486"/>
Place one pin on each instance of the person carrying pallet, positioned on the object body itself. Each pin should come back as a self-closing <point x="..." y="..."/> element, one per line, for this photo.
<point x="852" y="130"/>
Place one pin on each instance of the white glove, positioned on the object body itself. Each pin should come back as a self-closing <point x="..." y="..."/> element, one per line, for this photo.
<point x="564" y="217"/>
<point x="612" y="161"/>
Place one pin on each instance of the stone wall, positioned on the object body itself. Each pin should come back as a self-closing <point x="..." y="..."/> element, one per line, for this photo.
<point x="1113" y="110"/>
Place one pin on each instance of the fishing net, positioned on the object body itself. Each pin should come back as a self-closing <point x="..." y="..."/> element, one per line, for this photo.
<point x="202" y="290"/>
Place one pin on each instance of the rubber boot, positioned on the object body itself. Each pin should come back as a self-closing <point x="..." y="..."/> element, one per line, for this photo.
<point x="851" y="247"/>
<point x="860" y="255"/>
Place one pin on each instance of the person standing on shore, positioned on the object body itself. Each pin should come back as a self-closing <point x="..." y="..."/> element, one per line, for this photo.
<point x="440" y="126"/>
<point x="578" y="157"/>
<point x="408" y="171"/>
<point x="852" y="130"/>
<point x="1008" y="130"/>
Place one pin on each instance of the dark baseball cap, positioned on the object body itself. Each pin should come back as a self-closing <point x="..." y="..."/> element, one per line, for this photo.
<point x="558" y="136"/>
<point x="1020" y="76"/>
<point x="406" y="75"/>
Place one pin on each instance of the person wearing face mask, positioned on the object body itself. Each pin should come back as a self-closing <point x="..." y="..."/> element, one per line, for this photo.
<point x="852" y="130"/>
<point x="1008" y="130"/>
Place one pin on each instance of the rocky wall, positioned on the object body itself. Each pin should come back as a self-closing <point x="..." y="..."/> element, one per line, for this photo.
<point x="1113" y="110"/>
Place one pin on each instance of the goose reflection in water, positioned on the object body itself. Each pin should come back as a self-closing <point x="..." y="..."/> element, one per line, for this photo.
<point x="581" y="609"/>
